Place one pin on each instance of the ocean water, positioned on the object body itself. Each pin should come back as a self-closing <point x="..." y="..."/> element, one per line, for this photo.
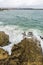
<point x="15" y="22"/>
<point x="23" y="18"/>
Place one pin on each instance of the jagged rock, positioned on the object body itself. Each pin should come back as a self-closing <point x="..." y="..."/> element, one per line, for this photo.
<point x="3" y="57"/>
<point x="17" y="51"/>
<point x="27" y="52"/>
<point x="4" y="38"/>
<point x="14" y="58"/>
<point x="41" y="37"/>
<point x="30" y="34"/>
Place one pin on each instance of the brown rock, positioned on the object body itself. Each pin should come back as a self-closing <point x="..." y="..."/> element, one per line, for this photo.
<point x="3" y="57"/>
<point x="4" y="38"/>
<point x="34" y="63"/>
<point x="13" y="62"/>
<point x="27" y="52"/>
<point x="17" y="51"/>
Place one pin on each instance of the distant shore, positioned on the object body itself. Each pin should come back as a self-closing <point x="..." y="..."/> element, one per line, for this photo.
<point x="1" y="9"/>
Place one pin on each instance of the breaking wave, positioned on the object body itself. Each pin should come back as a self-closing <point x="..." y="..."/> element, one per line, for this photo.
<point x="16" y="35"/>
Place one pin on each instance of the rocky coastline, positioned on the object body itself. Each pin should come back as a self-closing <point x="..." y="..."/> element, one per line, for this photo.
<point x="26" y="52"/>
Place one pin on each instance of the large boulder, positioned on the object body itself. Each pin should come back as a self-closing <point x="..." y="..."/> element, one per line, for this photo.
<point x="4" y="38"/>
<point x="27" y="52"/>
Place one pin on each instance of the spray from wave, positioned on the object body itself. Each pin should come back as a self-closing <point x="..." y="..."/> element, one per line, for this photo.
<point x="16" y="35"/>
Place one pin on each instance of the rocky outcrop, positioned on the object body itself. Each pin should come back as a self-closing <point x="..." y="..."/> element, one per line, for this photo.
<point x="27" y="53"/>
<point x="4" y="57"/>
<point x="4" y="39"/>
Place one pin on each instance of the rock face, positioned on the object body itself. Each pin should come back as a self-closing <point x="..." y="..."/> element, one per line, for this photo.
<point x="4" y="38"/>
<point x="26" y="53"/>
<point x="3" y="57"/>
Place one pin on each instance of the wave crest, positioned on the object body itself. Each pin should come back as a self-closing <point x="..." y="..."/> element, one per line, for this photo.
<point x="16" y="35"/>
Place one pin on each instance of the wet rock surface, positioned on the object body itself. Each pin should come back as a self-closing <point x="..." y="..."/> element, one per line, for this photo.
<point x="26" y="52"/>
<point x="4" y="38"/>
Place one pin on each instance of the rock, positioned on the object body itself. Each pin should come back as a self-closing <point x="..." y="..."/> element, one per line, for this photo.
<point x="24" y="63"/>
<point x="3" y="57"/>
<point x="24" y="34"/>
<point x="13" y="62"/>
<point x="34" y="63"/>
<point x="4" y="39"/>
<point x="24" y="53"/>
<point x="30" y="34"/>
<point x="27" y="52"/>
<point x="17" y="51"/>
<point x="41" y="37"/>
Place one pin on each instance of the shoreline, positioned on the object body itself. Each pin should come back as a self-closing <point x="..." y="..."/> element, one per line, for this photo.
<point x="16" y="36"/>
<point x="1" y="9"/>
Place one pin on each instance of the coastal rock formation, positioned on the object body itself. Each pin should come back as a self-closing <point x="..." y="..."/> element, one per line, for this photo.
<point x="26" y="53"/>
<point x="4" y="38"/>
<point x="3" y="57"/>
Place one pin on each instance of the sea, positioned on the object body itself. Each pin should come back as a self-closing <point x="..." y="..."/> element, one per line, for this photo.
<point x="16" y="22"/>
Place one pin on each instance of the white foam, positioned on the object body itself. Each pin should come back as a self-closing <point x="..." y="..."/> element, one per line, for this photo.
<point x="15" y="36"/>
<point x="36" y="35"/>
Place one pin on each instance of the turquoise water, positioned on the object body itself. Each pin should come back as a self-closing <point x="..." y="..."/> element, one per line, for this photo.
<point x="15" y="22"/>
<point x="23" y="18"/>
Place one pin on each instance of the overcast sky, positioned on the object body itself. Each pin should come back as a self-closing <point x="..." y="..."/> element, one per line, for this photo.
<point x="21" y="3"/>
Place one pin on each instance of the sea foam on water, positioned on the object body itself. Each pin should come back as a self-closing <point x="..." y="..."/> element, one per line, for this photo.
<point x="16" y="34"/>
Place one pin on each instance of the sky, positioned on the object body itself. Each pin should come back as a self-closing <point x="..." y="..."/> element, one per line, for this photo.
<point x="22" y="3"/>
